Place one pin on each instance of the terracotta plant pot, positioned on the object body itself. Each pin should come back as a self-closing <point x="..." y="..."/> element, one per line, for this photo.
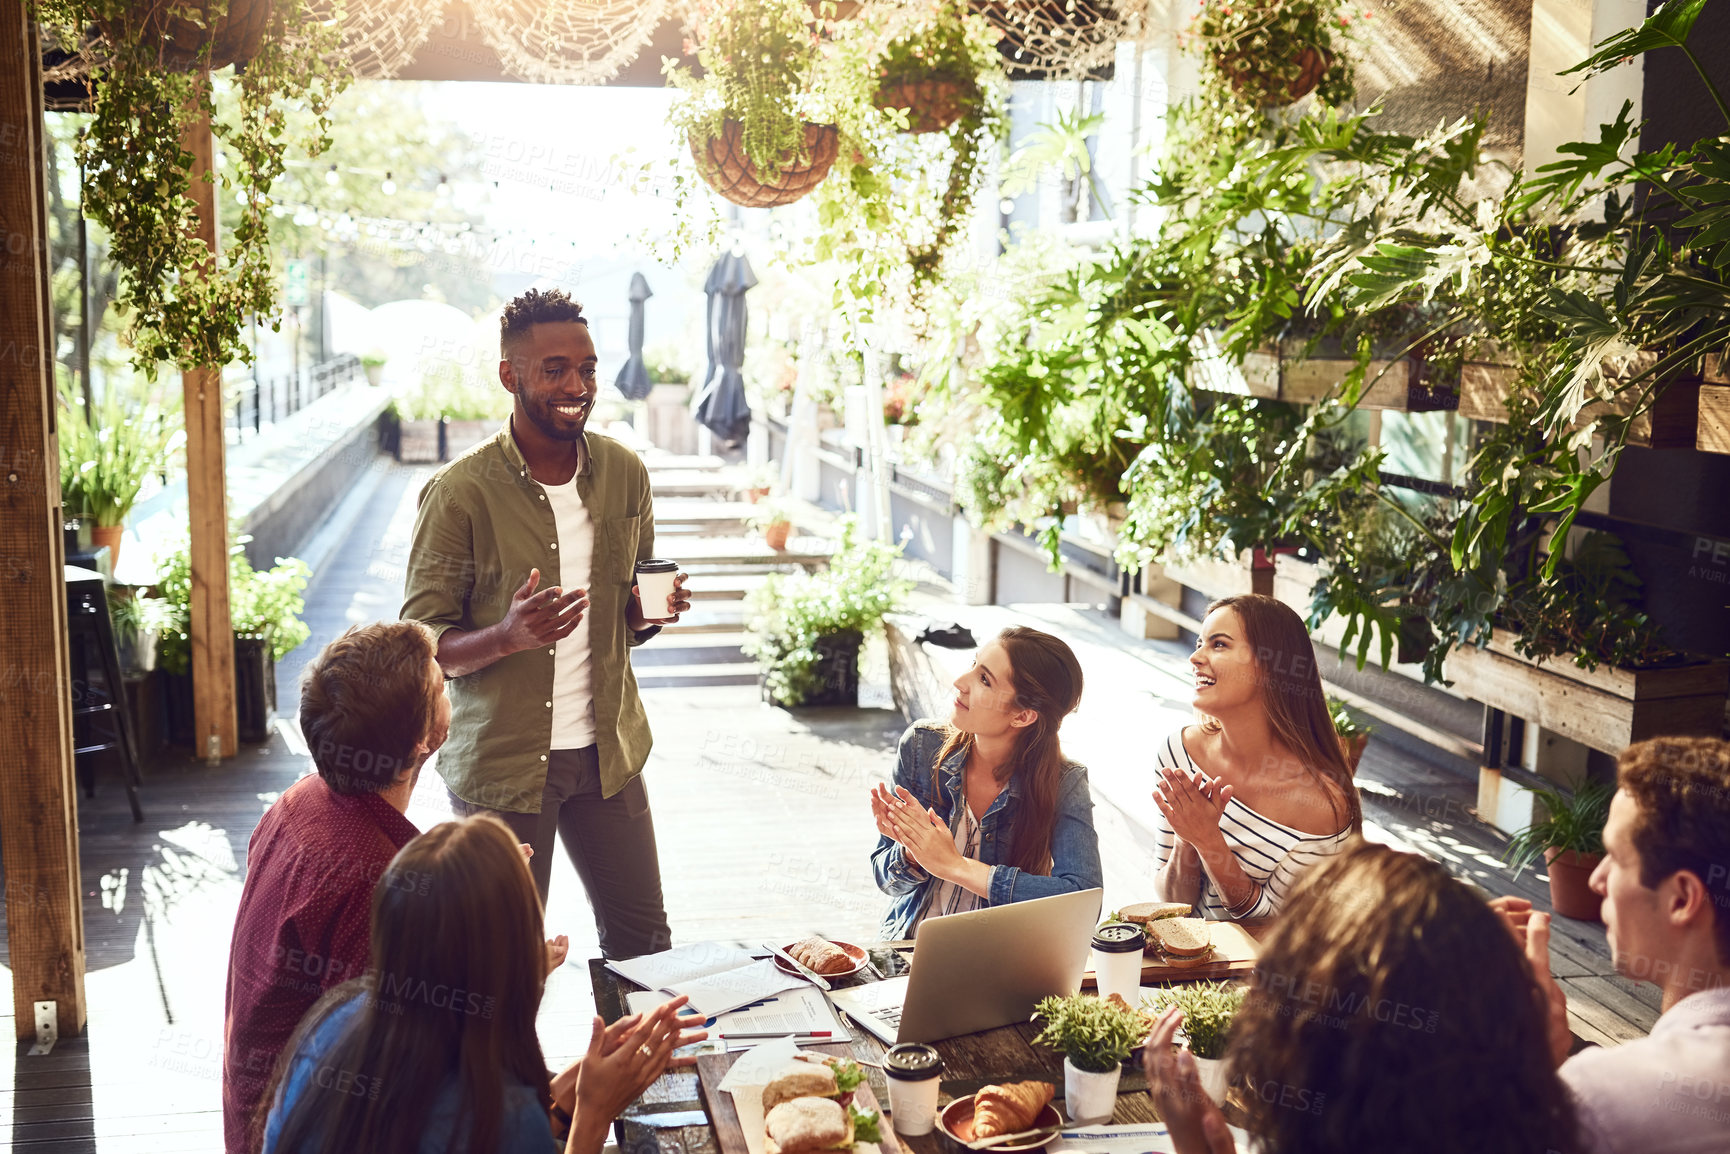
<point x="1570" y="894"/>
<point x="1313" y="65"/>
<point x="233" y="37"/>
<point x="722" y="161"/>
<point x="776" y="534"/>
<point x="1352" y="748"/>
<point x="108" y="535"/>
<point x="933" y="103"/>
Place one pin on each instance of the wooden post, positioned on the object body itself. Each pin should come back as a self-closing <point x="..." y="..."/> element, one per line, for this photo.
<point x="215" y="728"/>
<point x="38" y="793"/>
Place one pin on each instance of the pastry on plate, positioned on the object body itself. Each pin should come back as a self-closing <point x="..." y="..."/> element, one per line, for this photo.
<point x="825" y="957"/>
<point x="1009" y="1109"/>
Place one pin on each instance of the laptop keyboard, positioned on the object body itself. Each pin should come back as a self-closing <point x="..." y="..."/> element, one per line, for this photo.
<point x="888" y="1015"/>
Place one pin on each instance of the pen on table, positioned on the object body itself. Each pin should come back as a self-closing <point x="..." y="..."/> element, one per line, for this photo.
<point x="784" y="1034"/>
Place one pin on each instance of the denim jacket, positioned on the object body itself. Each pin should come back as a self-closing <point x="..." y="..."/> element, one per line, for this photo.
<point x="1074" y="844"/>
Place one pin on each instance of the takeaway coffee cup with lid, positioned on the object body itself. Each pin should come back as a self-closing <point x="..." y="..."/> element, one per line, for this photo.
<point x="913" y="1071"/>
<point x="655" y="582"/>
<point x="1116" y="960"/>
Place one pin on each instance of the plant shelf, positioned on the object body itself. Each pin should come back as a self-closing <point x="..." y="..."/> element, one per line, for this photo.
<point x="1607" y="708"/>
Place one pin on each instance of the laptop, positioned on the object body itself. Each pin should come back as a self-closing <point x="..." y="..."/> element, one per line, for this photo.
<point x="980" y="970"/>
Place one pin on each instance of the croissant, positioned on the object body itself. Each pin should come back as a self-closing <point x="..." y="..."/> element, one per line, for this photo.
<point x="821" y="955"/>
<point x="1009" y="1109"/>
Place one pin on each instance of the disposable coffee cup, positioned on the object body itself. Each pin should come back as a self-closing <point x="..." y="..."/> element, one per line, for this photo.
<point x="655" y="583"/>
<point x="1116" y="961"/>
<point x="913" y="1071"/>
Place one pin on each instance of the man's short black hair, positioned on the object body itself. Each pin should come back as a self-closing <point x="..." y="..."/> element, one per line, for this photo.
<point x="533" y="308"/>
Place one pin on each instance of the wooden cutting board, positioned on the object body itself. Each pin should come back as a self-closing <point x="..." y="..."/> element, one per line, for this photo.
<point x="712" y="1068"/>
<point x="1234" y="954"/>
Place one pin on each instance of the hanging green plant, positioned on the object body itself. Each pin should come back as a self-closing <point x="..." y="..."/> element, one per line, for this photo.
<point x="760" y="130"/>
<point x="151" y="75"/>
<point x="1271" y="53"/>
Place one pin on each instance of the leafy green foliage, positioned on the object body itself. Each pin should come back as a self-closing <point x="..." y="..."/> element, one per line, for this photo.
<point x="848" y="1075"/>
<point x="1570" y="823"/>
<point x="1344" y="723"/>
<point x="1208" y="1009"/>
<point x="866" y="1126"/>
<point x="447" y="390"/>
<point x="186" y="304"/>
<point x="107" y="456"/>
<point x="790" y="613"/>
<point x="1257" y="49"/>
<point x="263" y="603"/>
<point x="1095" y="1035"/>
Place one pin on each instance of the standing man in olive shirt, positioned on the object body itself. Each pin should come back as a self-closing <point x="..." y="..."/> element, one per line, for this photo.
<point x="523" y="565"/>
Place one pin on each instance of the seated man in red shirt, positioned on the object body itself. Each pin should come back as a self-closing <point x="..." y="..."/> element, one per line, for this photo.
<point x="372" y="709"/>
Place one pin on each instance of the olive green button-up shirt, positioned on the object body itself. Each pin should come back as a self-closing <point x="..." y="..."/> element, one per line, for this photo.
<point x="483" y="523"/>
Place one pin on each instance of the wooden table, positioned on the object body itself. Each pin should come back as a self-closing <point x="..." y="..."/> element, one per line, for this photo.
<point x="670" y="1118"/>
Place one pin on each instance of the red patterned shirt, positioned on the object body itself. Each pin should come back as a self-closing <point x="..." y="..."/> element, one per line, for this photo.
<point x="304" y="925"/>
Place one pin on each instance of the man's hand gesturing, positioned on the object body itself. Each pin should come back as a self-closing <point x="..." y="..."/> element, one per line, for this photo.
<point x="540" y="618"/>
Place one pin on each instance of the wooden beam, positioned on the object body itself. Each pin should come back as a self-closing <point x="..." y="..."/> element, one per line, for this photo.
<point x="215" y="727"/>
<point x="38" y="794"/>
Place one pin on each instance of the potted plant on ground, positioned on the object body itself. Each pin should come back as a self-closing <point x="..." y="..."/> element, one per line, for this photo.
<point x="774" y="519"/>
<point x="806" y="629"/>
<point x="264" y="607"/>
<point x="1353" y="734"/>
<point x="1570" y="839"/>
<point x="1095" y="1036"/>
<point x="1208" y="1009"/>
<point x="106" y="457"/>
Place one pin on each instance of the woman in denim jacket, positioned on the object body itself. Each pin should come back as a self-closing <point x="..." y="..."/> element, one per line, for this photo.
<point x="986" y="810"/>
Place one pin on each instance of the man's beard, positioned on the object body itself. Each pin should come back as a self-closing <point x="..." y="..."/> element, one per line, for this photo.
<point x="540" y="415"/>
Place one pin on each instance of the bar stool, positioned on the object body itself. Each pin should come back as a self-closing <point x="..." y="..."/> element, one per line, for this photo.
<point x="100" y="720"/>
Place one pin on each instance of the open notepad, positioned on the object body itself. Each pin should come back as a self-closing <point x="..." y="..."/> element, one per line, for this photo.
<point x="715" y="977"/>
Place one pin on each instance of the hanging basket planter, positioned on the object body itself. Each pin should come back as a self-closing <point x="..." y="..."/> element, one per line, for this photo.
<point x="933" y="103"/>
<point x="233" y="37"/>
<point x="725" y="167"/>
<point x="1252" y="79"/>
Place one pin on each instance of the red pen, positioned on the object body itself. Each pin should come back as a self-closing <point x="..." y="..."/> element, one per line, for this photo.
<point x="784" y="1034"/>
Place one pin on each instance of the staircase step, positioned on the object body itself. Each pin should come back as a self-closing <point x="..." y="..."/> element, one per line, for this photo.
<point x="693" y="483"/>
<point x="725" y="586"/>
<point x="677" y="676"/>
<point x="711" y="617"/>
<point x="660" y="461"/>
<point x="690" y="649"/>
<point x="753" y="551"/>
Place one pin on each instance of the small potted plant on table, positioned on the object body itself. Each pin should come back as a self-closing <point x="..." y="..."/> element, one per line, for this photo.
<point x="1208" y="1009"/>
<point x="1570" y="839"/>
<point x="107" y="456"/>
<point x="774" y="519"/>
<point x="1095" y="1036"/>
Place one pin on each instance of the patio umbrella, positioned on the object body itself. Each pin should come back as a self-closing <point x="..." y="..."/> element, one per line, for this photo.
<point x="720" y="404"/>
<point x="633" y="374"/>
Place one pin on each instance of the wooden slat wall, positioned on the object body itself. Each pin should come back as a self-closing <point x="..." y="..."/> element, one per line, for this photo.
<point x="38" y="799"/>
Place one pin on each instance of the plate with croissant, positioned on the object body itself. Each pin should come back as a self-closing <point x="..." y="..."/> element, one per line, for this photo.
<point x="830" y="959"/>
<point x="1011" y="1108"/>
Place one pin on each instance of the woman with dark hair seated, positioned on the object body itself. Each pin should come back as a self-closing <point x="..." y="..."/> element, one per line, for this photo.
<point x="986" y="810"/>
<point x="1391" y="1012"/>
<point x="1259" y="791"/>
<point x="435" y="1049"/>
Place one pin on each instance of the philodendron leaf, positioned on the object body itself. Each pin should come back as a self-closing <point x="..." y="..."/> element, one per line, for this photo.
<point x="1668" y="27"/>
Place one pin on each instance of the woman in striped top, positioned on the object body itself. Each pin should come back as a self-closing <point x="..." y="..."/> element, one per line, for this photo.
<point x="1259" y="791"/>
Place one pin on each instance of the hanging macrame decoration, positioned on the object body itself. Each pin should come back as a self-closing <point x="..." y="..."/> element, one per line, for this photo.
<point x="568" y="41"/>
<point x="1063" y="39"/>
<point x="381" y="37"/>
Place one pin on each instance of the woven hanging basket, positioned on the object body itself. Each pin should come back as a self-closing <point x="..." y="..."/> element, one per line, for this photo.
<point x="1313" y="65"/>
<point x="721" y="160"/>
<point x="933" y="103"/>
<point x="232" y="38"/>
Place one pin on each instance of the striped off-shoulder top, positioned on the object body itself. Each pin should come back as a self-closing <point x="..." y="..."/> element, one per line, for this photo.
<point x="1271" y="854"/>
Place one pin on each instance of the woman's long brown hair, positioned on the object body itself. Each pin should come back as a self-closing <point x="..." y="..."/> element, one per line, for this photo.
<point x="1046" y="678"/>
<point x="1392" y="1013"/>
<point x="1291" y="692"/>
<point x="458" y="965"/>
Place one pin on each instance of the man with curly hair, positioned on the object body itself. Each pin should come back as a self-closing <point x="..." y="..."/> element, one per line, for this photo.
<point x="523" y="565"/>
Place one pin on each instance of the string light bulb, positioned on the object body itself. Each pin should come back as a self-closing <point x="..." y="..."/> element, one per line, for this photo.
<point x="389" y="185"/>
<point x="444" y="188"/>
<point x="332" y="177"/>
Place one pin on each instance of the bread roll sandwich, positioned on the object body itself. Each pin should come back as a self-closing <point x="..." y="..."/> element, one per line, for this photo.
<point x="808" y="1106"/>
<point x="805" y="1125"/>
<point x="1141" y="913"/>
<point x="825" y="957"/>
<point x="1009" y="1109"/>
<point x="1181" y="941"/>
